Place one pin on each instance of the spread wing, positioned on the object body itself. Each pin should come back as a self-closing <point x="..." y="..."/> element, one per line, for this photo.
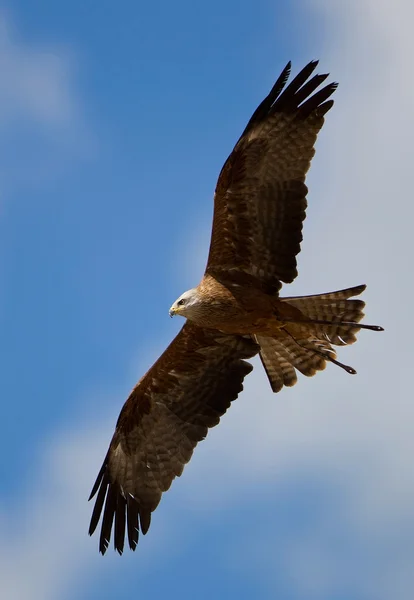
<point x="186" y="391"/>
<point x="260" y="198"/>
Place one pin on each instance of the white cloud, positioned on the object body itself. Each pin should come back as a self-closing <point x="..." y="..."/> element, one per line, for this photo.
<point x="42" y="545"/>
<point x="34" y="82"/>
<point x="356" y="430"/>
<point x="41" y="126"/>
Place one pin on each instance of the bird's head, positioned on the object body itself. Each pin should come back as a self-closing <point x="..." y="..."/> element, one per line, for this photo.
<point x="186" y="305"/>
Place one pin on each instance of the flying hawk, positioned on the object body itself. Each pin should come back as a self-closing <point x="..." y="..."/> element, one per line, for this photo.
<point x="233" y="314"/>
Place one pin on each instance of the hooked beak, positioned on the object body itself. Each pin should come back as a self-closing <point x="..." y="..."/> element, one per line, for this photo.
<point x="172" y="311"/>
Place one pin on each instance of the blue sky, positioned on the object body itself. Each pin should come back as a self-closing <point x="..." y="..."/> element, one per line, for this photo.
<point x="114" y="123"/>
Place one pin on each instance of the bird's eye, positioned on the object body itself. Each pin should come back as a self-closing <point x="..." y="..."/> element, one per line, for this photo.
<point x="180" y="302"/>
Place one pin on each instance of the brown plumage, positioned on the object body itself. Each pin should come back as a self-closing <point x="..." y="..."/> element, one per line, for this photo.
<point x="234" y="313"/>
<point x="186" y="391"/>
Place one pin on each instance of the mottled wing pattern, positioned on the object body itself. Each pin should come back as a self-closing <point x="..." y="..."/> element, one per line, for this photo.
<point x="186" y="391"/>
<point x="260" y="198"/>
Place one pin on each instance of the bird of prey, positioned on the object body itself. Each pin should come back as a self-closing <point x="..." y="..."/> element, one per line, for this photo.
<point x="233" y="314"/>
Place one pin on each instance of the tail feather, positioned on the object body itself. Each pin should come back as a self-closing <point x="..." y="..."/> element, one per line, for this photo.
<point x="278" y="367"/>
<point x="334" y="307"/>
<point x="307" y="346"/>
<point x="339" y="295"/>
<point x="282" y="356"/>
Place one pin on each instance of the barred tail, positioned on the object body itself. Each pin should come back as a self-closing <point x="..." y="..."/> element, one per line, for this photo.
<point x="305" y="342"/>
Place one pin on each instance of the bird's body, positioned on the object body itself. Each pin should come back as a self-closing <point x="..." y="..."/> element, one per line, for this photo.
<point x="229" y="307"/>
<point x="236" y="309"/>
<point x="233" y="314"/>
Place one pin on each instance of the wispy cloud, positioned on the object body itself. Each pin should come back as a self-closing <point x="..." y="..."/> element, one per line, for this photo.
<point x="43" y="547"/>
<point x="41" y="125"/>
<point x="35" y="82"/>
<point x="356" y="432"/>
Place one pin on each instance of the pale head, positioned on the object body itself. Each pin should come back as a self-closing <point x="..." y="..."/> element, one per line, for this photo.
<point x="187" y="304"/>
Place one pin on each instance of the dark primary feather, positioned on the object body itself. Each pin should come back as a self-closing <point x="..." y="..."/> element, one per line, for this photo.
<point x="260" y="198"/>
<point x="262" y="110"/>
<point x="187" y="391"/>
